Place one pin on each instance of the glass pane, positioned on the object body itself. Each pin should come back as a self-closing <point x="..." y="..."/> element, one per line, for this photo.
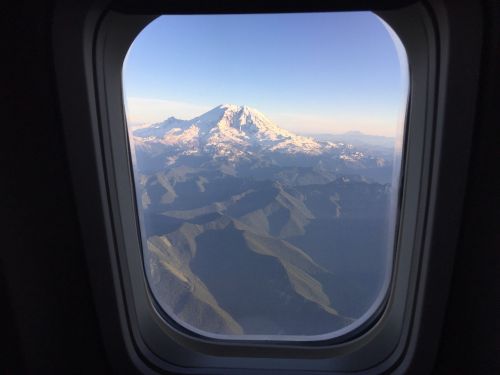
<point x="272" y="217"/>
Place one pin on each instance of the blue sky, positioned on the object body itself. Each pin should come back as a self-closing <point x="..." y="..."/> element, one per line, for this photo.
<point x="310" y="73"/>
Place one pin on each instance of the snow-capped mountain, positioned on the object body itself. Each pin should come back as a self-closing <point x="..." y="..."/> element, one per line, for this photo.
<point x="228" y="131"/>
<point x="231" y="136"/>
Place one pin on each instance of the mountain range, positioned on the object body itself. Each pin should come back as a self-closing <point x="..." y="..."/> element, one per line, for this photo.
<point x="239" y="137"/>
<point x="251" y="229"/>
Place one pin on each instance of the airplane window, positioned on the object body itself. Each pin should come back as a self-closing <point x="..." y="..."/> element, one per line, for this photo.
<point x="266" y="152"/>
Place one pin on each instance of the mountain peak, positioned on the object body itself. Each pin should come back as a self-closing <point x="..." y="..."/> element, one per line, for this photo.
<point x="232" y="107"/>
<point x="239" y="117"/>
<point x="235" y="108"/>
<point x="228" y="130"/>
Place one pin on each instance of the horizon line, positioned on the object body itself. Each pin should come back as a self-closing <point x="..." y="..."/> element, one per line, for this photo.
<point x="143" y="112"/>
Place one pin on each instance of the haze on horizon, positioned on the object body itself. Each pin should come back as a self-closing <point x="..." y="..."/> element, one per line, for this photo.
<point x="334" y="74"/>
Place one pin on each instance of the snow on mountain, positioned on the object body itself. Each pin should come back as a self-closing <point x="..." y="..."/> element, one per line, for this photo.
<point x="229" y="131"/>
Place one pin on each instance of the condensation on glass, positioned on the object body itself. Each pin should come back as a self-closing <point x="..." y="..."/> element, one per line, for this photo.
<point x="266" y="154"/>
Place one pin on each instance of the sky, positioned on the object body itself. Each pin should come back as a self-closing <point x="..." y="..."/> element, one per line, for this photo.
<point x="309" y="73"/>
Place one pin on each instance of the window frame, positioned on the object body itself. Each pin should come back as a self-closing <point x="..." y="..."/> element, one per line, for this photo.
<point x="96" y="139"/>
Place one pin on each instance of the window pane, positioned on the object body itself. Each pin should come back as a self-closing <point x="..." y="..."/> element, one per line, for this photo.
<point x="273" y="216"/>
